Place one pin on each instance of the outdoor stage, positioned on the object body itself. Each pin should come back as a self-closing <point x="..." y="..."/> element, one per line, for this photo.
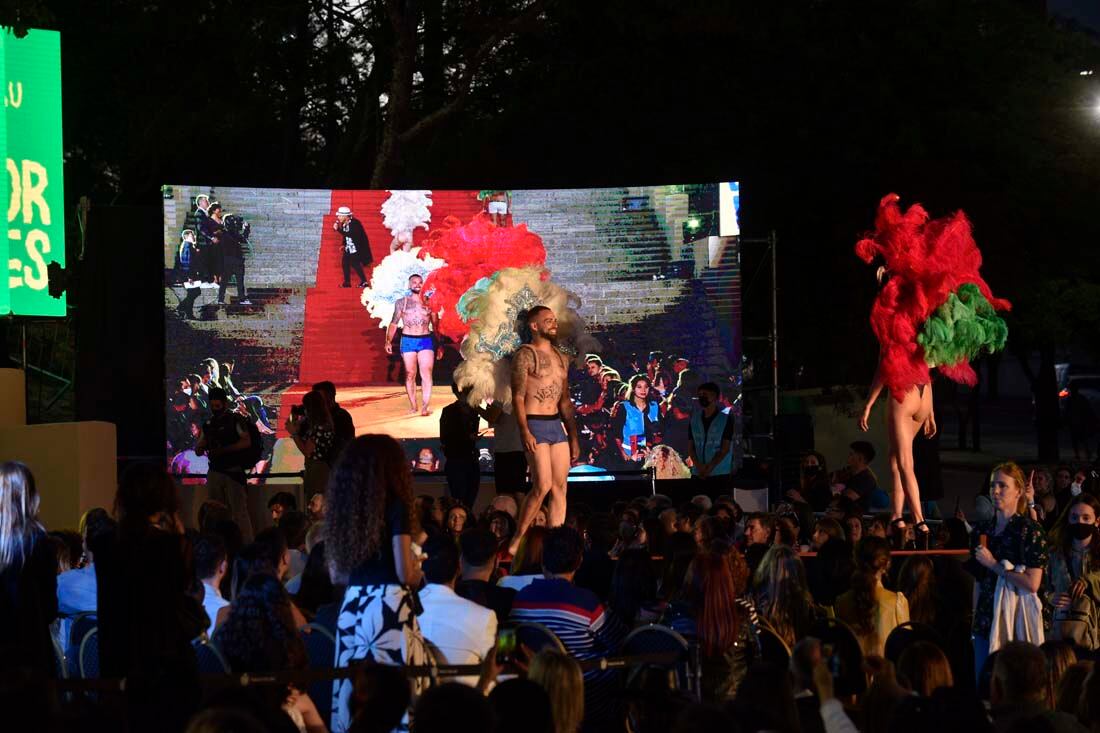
<point x="385" y="409"/>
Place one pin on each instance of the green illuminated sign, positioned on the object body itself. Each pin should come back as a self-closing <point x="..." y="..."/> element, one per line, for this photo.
<point x="33" y="189"/>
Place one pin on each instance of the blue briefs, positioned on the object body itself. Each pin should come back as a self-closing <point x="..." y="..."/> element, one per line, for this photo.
<point x="413" y="344"/>
<point x="547" y="428"/>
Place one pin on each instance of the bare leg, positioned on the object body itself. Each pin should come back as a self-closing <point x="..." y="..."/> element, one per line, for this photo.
<point x="905" y="420"/>
<point x="426" y="359"/>
<point x="410" y="378"/>
<point x="559" y="478"/>
<point x="542" y="480"/>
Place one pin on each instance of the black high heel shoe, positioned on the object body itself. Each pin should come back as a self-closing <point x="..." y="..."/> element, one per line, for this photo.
<point x="897" y="533"/>
<point x="922" y="535"/>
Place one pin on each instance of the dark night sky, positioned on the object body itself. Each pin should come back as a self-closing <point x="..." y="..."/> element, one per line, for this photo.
<point x="1085" y="12"/>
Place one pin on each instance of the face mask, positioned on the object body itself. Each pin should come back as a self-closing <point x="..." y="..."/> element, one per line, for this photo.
<point x="704" y="401"/>
<point x="1082" y="531"/>
<point x="1074" y="489"/>
<point x="811" y="470"/>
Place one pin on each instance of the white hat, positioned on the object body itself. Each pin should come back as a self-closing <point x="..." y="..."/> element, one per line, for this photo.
<point x="343" y="211"/>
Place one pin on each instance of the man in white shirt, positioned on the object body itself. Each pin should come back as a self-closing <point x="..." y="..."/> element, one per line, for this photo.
<point x="210" y="567"/>
<point x="462" y="631"/>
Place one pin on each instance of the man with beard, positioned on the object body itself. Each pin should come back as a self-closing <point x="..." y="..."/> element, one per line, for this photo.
<point x="540" y="401"/>
<point x="418" y="326"/>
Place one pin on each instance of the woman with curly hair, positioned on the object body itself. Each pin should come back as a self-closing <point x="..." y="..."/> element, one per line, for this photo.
<point x="260" y="636"/>
<point x="714" y="611"/>
<point x="369" y="524"/>
<point x="782" y="595"/>
<point x="871" y="610"/>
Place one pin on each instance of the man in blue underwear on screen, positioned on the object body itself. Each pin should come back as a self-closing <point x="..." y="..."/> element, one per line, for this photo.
<point x="418" y="350"/>
<point x="544" y="412"/>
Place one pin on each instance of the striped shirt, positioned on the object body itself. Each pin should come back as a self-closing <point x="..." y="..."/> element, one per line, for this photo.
<point x="586" y="628"/>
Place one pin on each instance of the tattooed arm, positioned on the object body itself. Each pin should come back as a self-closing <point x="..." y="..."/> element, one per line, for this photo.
<point x="391" y="329"/>
<point x="521" y="367"/>
<point x="565" y="407"/>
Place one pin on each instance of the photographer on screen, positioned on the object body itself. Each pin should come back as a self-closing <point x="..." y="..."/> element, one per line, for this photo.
<point x="228" y="440"/>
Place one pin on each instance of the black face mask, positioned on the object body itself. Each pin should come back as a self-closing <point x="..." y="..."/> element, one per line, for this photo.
<point x="811" y="470"/>
<point x="1082" y="531"/>
<point x="704" y="401"/>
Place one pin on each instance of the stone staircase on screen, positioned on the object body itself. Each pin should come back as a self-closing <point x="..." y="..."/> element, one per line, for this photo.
<point x="341" y="341"/>
<point x="609" y="253"/>
<point x="265" y="338"/>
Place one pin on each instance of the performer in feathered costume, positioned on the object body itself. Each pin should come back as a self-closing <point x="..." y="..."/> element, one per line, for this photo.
<point x="520" y="313"/>
<point x="403" y="212"/>
<point x="934" y="310"/>
<point x="473" y="251"/>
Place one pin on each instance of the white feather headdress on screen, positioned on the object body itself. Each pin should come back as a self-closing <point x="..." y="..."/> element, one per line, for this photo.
<point x="405" y="211"/>
<point x="495" y="309"/>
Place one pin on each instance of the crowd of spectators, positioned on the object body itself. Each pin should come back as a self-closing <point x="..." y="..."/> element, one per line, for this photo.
<point x="796" y="621"/>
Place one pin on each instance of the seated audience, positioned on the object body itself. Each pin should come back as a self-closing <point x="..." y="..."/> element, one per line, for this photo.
<point x="871" y="610"/>
<point x="782" y="596"/>
<point x="28" y="576"/>
<point x="633" y="595"/>
<point x="924" y="668"/>
<point x="560" y="675"/>
<point x="1068" y="692"/>
<point x="144" y="576"/>
<point x="453" y="708"/>
<point x="462" y="631"/>
<point x="714" y="611"/>
<point x="1060" y="656"/>
<point x="280" y="503"/>
<point x="76" y="589"/>
<point x="805" y="658"/>
<point x="260" y="636"/>
<point x="527" y="565"/>
<point x="598" y="567"/>
<point x="479" y="564"/>
<point x="1019" y="693"/>
<point x="577" y="616"/>
<point x="210" y="567"/>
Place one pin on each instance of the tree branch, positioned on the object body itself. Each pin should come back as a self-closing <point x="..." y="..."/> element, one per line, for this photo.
<point x="465" y="84"/>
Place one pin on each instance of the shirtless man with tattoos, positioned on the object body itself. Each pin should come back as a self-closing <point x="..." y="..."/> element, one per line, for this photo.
<point x="419" y="324"/>
<point x="541" y="405"/>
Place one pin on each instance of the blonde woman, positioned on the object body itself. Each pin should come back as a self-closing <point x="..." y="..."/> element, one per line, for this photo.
<point x="667" y="463"/>
<point x="28" y="575"/>
<point x="560" y="675"/>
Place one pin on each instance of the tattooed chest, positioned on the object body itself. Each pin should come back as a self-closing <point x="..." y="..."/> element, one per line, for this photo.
<point x="546" y="392"/>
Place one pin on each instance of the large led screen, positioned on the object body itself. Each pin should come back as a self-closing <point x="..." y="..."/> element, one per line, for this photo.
<point x="269" y="291"/>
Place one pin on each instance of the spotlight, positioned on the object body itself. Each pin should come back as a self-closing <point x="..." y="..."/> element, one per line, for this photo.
<point x="694" y="223"/>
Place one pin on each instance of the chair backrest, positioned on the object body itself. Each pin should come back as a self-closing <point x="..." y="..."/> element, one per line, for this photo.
<point x="89" y="655"/>
<point x="79" y="627"/>
<point x="658" y="639"/>
<point x="320" y="646"/>
<point x="209" y="658"/>
<point x="908" y="633"/>
<point x="845" y="643"/>
<point x="772" y="647"/>
<point x="537" y="637"/>
<point x="59" y="664"/>
<point x="654" y="639"/>
<point x="321" y="649"/>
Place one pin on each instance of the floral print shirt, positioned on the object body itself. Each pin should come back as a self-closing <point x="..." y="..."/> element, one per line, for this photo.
<point x="1023" y="542"/>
